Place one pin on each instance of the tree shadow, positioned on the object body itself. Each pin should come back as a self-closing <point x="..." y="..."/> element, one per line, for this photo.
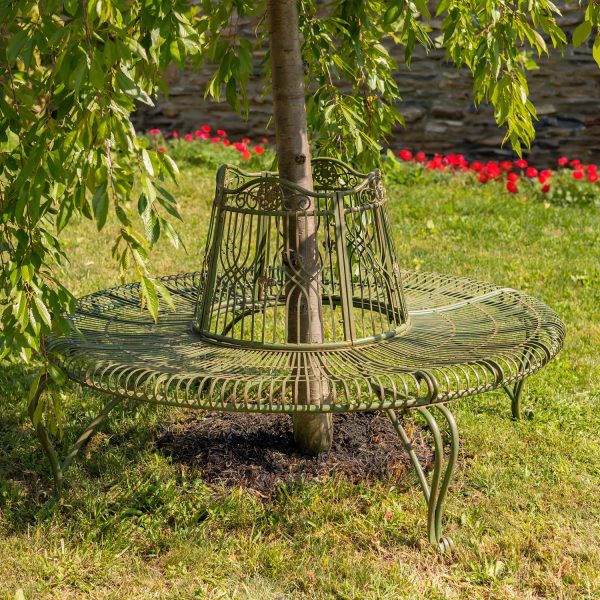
<point x="256" y="452"/>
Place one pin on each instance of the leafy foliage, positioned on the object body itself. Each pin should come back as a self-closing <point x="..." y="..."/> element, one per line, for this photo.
<point x="72" y="73"/>
<point x="73" y="70"/>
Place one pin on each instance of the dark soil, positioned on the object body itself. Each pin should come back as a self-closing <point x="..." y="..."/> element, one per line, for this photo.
<point x="257" y="452"/>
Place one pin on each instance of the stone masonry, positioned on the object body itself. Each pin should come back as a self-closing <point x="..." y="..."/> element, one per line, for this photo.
<point x="437" y="106"/>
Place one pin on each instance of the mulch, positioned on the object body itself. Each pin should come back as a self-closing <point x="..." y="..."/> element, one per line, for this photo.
<point x="257" y="452"/>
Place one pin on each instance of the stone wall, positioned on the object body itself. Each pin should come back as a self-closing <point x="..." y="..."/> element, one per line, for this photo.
<point x="437" y="106"/>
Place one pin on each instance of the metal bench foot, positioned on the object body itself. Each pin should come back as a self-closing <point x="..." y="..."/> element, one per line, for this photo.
<point x="57" y="465"/>
<point x="435" y="493"/>
<point x="514" y="393"/>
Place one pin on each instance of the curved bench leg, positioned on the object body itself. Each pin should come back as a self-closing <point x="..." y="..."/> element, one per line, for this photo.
<point x="435" y="494"/>
<point x="57" y="466"/>
<point x="514" y="393"/>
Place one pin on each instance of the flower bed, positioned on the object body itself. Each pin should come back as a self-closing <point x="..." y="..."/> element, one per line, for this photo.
<point x="568" y="182"/>
<point x="212" y="147"/>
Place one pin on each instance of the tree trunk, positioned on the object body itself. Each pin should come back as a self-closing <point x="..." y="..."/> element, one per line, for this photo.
<point x="312" y="432"/>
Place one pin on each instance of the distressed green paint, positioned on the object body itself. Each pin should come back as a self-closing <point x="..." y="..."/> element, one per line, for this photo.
<point x="442" y="337"/>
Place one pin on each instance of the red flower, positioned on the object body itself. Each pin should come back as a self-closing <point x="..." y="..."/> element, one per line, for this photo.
<point x="246" y="140"/>
<point x="189" y="137"/>
<point x="531" y="172"/>
<point x="175" y="134"/>
<point x="215" y="140"/>
<point x="575" y="163"/>
<point x="221" y="132"/>
<point x="226" y="142"/>
<point x="476" y="166"/>
<point x="436" y="163"/>
<point x="264" y="140"/>
<point x="545" y="188"/>
<point x="545" y="173"/>
<point x="483" y="178"/>
<point x="591" y="168"/>
<point x="511" y="187"/>
<point x="513" y="177"/>
<point x="593" y="177"/>
<point x="577" y="174"/>
<point x="240" y="146"/>
<point x="521" y="163"/>
<point x="198" y="133"/>
<point x="259" y="150"/>
<point x="492" y="164"/>
<point x="562" y="161"/>
<point x="493" y="170"/>
<point x="245" y="155"/>
<point x="456" y="160"/>
<point x="542" y="179"/>
<point x="205" y="128"/>
<point x="155" y="132"/>
<point x="420" y="157"/>
<point x="506" y="165"/>
<point x="162" y="149"/>
<point x="405" y="154"/>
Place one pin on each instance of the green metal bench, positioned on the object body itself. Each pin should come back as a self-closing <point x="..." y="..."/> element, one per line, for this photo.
<point x="393" y="340"/>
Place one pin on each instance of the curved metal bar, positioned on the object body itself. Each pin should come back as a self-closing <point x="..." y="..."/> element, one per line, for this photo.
<point x="411" y="453"/>
<point x="514" y="393"/>
<point x="434" y="493"/>
<point x="89" y="431"/>
<point x="273" y="176"/>
<point x="446" y="543"/>
<point x="58" y="468"/>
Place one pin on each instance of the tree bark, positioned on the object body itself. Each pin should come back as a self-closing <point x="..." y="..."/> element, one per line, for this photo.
<point x="313" y="432"/>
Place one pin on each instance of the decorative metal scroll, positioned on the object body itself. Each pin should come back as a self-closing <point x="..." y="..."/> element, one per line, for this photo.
<point x="253" y="270"/>
<point x="392" y="339"/>
<point x="464" y="337"/>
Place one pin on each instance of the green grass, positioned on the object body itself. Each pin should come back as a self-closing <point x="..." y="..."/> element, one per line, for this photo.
<point x="523" y="508"/>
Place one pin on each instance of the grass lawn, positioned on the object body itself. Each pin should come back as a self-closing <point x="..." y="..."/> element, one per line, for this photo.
<point x="523" y="508"/>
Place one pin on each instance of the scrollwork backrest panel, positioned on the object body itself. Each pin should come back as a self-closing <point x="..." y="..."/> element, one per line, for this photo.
<point x="256" y="264"/>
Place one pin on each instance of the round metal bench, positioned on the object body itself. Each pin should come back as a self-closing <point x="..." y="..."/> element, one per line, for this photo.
<point x="393" y="340"/>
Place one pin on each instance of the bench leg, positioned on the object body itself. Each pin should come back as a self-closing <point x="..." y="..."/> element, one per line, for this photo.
<point x="435" y="493"/>
<point x="514" y="393"/>
<point x="57" y="465"/>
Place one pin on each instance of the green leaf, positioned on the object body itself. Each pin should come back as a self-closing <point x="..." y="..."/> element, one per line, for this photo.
<point x="165" y="295"/>
<point x="581" y="33"/>
<point x="130" y="88"/>
<point x="149" y="296"/>
<point x="174" y="50"/>
<point x="170" y="166"/>
<point x="147" y="161"/>
<point x="231" y="93"/>
<point x="57" y="374"/>
<point x="100" y="205"/>
<point x="596" y="50"/>
<point x="170" y="208"/>
<point x="151" y="225"/>
<point x="392" y="13"/>
<point x="442" y="7"/>
<point x="166" y="194"/>
<point x="43" y="311"/>
<point x="15" y="45"/>
<point x="172" y="234"/>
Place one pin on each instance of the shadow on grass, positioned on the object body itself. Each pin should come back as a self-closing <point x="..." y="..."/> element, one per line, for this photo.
<point x="25" y="478"/>
<point x="256" y="452"/>
<point x="145" y="461"/>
